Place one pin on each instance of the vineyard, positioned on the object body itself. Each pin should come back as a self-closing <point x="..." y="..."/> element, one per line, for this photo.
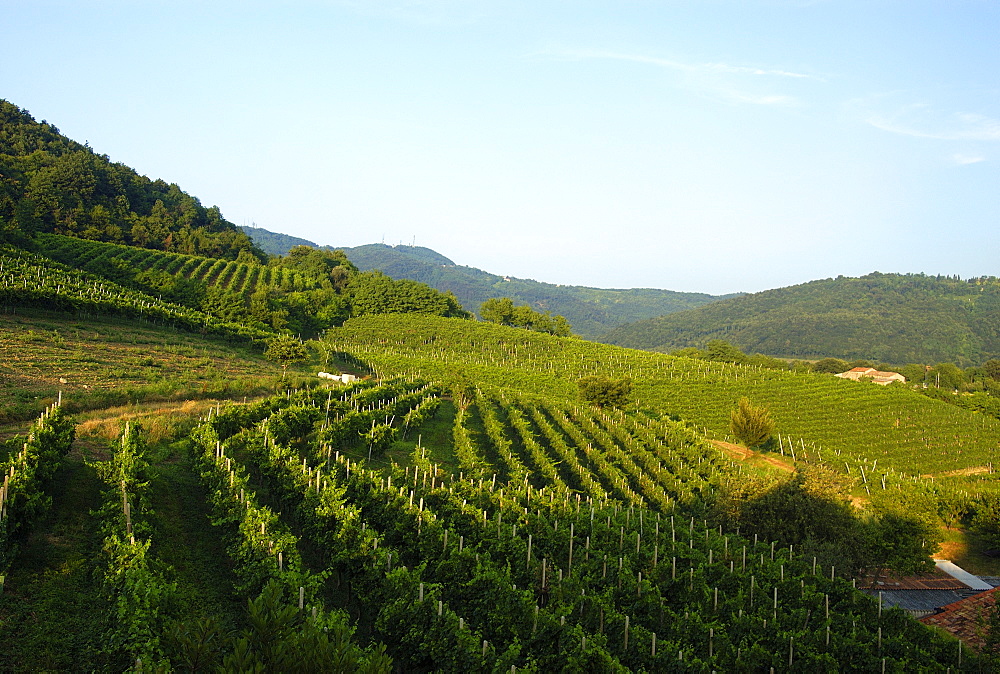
<point x="871" y="433"/>
<point x="559" y="538"/>
<point x="237" y="277"/>
<point x="30" y="280"/>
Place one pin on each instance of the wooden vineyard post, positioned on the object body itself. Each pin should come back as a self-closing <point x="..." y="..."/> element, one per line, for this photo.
<point x="569" y="569"/>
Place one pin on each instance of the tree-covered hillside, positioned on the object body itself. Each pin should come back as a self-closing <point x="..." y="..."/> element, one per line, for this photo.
<point x="50" y="183"/>
<point x="590" y="311"/>
<point x="885" y="317"/>
<point x="274" y="243"/>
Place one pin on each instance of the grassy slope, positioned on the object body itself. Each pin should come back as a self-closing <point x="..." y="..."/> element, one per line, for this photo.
<point x="107" y="361"/>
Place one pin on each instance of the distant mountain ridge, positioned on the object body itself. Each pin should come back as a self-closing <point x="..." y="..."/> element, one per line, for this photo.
<point x="274" y="243"/>
<point x="894" y="318"/>
<point x="591" y="311"/>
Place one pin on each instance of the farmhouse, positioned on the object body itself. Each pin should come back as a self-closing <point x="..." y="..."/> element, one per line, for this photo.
<point x="871" y="374"/>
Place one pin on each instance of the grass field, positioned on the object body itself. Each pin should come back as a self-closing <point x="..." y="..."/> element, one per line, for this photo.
<point x="101" y="362"/>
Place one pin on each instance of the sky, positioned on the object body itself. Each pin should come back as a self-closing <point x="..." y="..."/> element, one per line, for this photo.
<point x="713" y="146"/>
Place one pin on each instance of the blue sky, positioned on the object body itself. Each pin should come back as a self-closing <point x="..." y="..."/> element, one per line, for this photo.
<point x="713" y="146"/>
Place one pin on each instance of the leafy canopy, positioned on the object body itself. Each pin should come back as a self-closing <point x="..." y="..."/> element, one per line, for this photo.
<point x="502" y="310"/>
<point x="750" y="424"/>
<point x="285" y="350"/>
<point x="605" y="391"/>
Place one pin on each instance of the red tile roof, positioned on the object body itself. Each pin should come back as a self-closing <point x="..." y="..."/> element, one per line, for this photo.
<point x="966" y="618"/>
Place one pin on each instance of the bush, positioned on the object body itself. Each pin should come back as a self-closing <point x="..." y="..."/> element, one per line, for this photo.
<point x="751" y="425"/>
<point x="605" y="391"/>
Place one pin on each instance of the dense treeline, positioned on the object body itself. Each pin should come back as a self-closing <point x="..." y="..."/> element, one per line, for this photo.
<point x="502" y="310"/>
<point x="49" y="183"/>
<point x="894" y="318"/>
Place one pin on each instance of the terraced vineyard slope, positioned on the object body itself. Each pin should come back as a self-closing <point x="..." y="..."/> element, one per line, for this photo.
<point x="889" y="433"/>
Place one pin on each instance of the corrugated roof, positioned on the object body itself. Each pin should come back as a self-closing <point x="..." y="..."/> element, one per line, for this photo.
<point x="917" y="601"/>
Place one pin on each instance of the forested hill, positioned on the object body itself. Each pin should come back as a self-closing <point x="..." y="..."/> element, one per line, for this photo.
<point x="52" y="184"/>
<point x="883" y="317"/>
<point x="274" y="243"/>
<point x="590" y="311"/>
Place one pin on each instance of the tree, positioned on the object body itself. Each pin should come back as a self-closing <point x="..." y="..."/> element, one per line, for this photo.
<point x="502" y="310"/>
<point x="372" y="292"/>
<point x="285" y="350"/>
<point x="831" y="366"/>
<point x="810" y="510"/>
<point x="498" y="310"/>
<point x="991" y="369"/>
<point x="901" y="534"/>
<point x="722" y="351"/>
<point x="751" y="425"/>
<point x="605" y="391"/>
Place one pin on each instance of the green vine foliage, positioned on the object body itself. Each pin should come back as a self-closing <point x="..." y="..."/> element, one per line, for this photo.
<point x="143" y="597"/>
<point x="26" y="476"/>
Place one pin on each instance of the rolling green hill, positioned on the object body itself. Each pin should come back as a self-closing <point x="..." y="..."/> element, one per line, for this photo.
<point x="590" y="311"/>
<point x="892" y="318"/>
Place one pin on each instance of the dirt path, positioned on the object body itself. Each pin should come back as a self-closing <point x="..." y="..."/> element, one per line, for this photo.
<point x="744" y="454"/>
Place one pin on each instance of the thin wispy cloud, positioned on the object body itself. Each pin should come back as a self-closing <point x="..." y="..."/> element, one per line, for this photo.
<point x="728" y="82"/>
<point x="924" y="120"/>
<point x="965" y="159"/>
<point x="706" y="68"/>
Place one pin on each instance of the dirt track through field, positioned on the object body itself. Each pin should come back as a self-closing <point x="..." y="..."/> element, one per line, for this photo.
<point x="744" y="454"/>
